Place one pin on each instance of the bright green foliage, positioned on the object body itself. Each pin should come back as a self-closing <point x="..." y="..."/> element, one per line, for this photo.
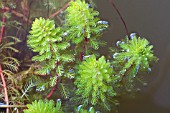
<point x="82" y="23"/>
<point x="94" y="80"/>
<point x="136" y="54"/>
<point x="46" y="40"/>
<point x="44" y="107"/>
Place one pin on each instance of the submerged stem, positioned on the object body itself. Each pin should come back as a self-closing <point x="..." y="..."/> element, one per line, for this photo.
<point x="118" y="12"/>
<point x="5" y="89"/>
<point x="2" y="76"/>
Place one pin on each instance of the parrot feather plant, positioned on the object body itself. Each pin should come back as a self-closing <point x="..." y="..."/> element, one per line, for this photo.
<point x="95" y="79"/>
<point x="47" y="42"/>
<point x="83" y="27"/>
<point x="67" y="52"/>
<point x="134" y="55"/>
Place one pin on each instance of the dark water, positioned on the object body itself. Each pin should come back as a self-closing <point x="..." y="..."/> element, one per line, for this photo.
<point x="150" y="19"/>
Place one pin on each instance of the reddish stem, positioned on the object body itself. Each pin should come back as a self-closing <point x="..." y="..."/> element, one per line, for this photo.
<point x="57" y="12"/>
<point x="18" y="14"/>
<point x="84" y="49"/>
<point x="3" y="25"/>
<point x="118" y="12"/>
<point x="5" y="89"/>
<point x="2" y="76"/>
<point x="55" y="87"/>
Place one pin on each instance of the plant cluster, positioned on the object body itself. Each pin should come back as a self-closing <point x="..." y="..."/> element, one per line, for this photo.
<point x="134" y="54"/>
<point x="95" y="79"/>
<point x="44" y="107"/>
<point x="65" y="62"/>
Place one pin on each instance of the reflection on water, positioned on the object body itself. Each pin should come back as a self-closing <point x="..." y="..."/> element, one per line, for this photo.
<point x="150" y="19"/>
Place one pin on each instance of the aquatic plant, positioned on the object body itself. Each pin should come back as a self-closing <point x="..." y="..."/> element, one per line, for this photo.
<point x="135" y="54"/>
<point x="67" y="51"/>
<point x="46" y="40"/>
<point x="41" y="106"/>
<point x="94" y="80"/>
<point x="83" y="21"/>
<point x="83" y="27"/>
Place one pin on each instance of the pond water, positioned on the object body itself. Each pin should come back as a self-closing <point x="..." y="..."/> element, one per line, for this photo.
<point x="150" y="19"/>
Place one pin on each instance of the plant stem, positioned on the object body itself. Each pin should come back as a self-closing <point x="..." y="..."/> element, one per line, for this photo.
<point x="2" y="76"/>
<point x="5" y="89"/>
<point x="54" y="87"/>
<point x="118" y="12"/>
<point x="57" y="12"/>
<point x="13" y="106"/>
<point x="3" y="25"/>
<point x="83" y="49"/>
<point x="17" y="14"/>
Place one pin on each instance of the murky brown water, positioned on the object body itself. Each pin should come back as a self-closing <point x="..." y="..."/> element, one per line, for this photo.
<point x="150" y="19"/>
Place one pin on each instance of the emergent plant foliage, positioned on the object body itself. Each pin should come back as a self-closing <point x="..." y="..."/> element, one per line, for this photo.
<point x="94" y="80"/>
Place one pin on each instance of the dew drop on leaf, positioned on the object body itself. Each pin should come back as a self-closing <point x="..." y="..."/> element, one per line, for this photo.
<point x="90" y="109"/>
<point x="132" y="35"/>
<point x="114" y="55"/>
<point x="117" y="43"/>
<point x="149" y="69"/>
<point x="79" y="107"/>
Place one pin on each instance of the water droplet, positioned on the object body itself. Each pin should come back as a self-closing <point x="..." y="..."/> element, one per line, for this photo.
<point x="111" y="66"/>
<point x="90" y="109"/>
<point x="71" y="70"/>
<point x="43" y="88"/>
<point x="87" y="56"/>
<point x="98" y="73"/>
<point x="65" y="33"/>
<point x="48" y="72"/>
<point x="15" y="109"/>
<point x="114" y="55"/>
<point x="149" y="69"/>
<point x="97" y="111"/>
<point x="59" y="100"/>
<point x="127" y="58"/>
<point x="102" y="22"/>
<point x="79" y="107"/>
<point x="132" y="35"/>
<point x="101" y="29"/>
<point x="122" y="42"/>
<point x="88" y="5"/>
<point x="117" y="43"/>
